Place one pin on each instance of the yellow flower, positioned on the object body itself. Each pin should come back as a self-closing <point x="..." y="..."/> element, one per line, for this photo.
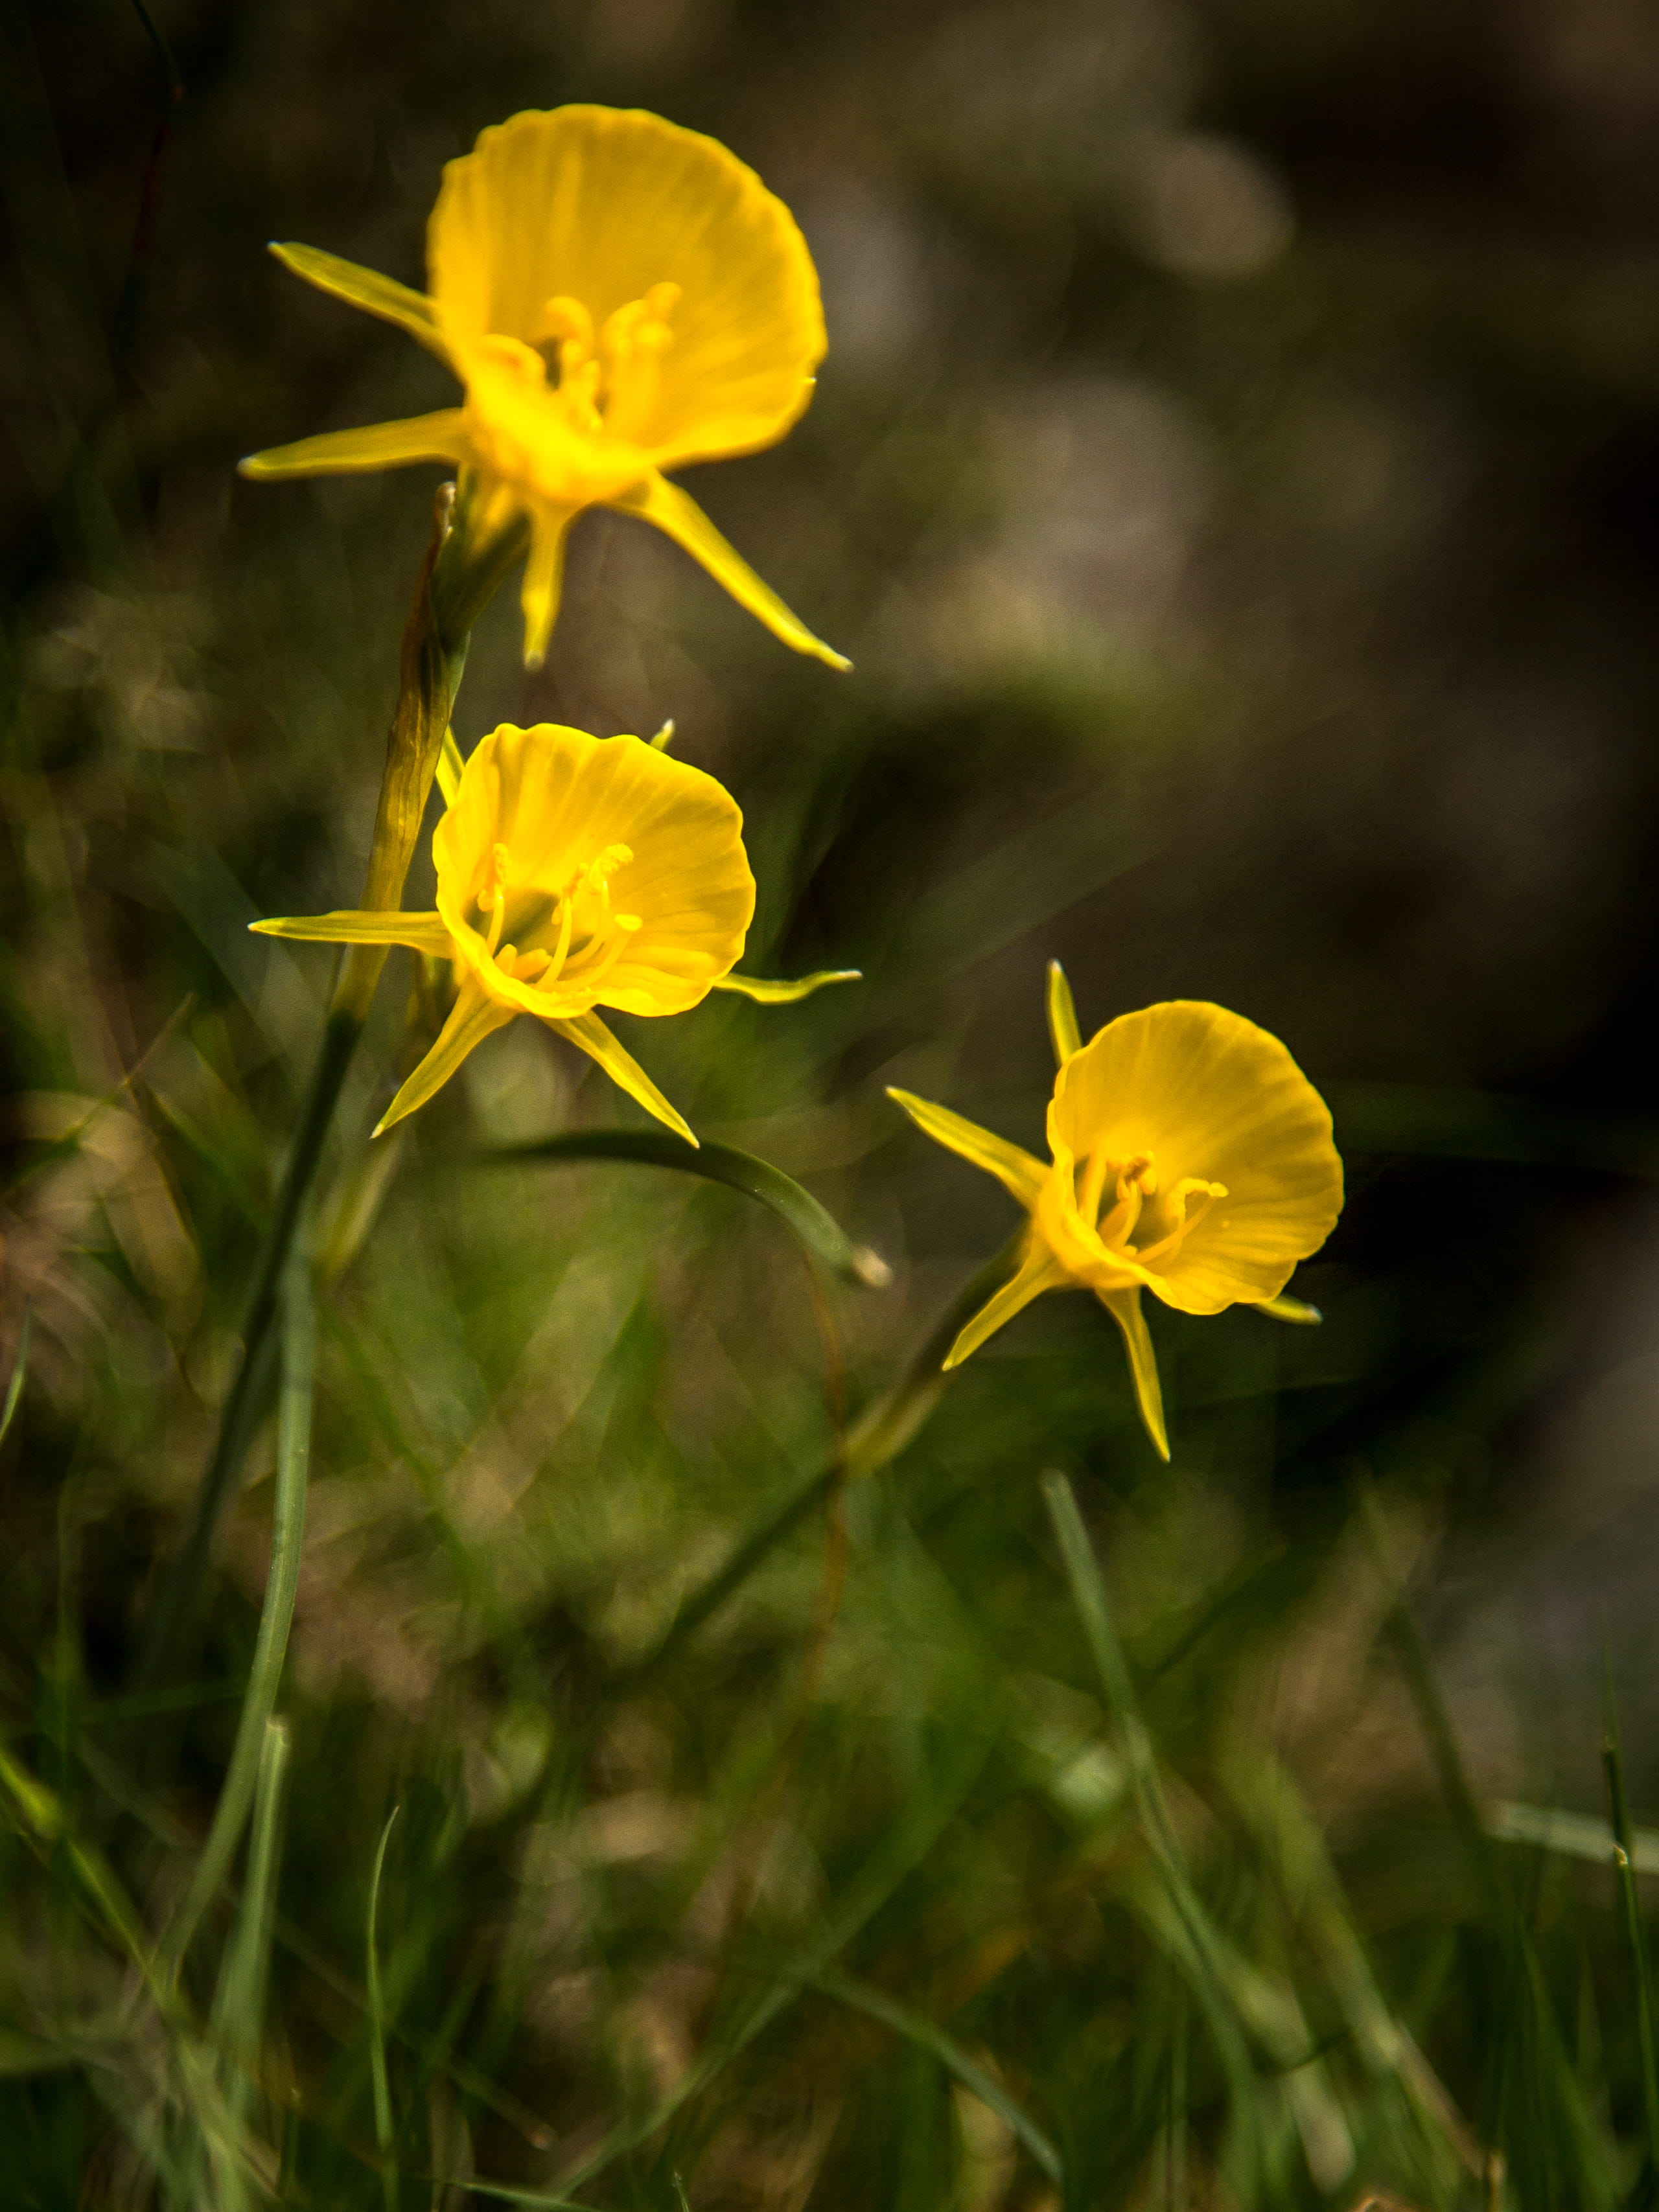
<point x="1190" y="1157"/>
<point x="619" y="297"/>
<point x="574" y="872"/>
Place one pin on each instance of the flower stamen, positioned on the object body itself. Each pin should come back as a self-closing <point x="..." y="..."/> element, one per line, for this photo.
<point x="493" y="901"/>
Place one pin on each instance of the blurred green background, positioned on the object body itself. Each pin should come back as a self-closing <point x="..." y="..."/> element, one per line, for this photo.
<point x="1234" y="477"/>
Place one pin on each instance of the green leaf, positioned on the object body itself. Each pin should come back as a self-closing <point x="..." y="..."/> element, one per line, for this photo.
<point x="384" y="2133"/>
<point x="812" y="1228"/>
<point x="19" y="1369"/>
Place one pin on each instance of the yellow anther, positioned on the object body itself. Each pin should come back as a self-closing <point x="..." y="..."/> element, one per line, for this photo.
<point x="567" y="322"/>
<point x="522" y="360"/>
<point x="632" y="344"/>
<point x="598" y="873"/>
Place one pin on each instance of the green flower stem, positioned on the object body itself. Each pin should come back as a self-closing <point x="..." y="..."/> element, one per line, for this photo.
<point x="457" y="577"/>
<point x="879" y="1434"/>
<point x="277" y="1616"/>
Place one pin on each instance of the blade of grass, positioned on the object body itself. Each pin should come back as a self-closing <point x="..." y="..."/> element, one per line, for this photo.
<point x="1573" y="1835"/>
<point x="239" y="2003"/>
<point x="510" y="2195"/>
<point x="1521" y="1994"/>
<point x="277" y="1615"/>
<point x="807" y="1221"/>
<point x="19" y="1369"/>
<point x="896" y="1856"/>
<point x="38" y="1814"/>
<point x="1237" y="2000"/>
<point x="878" y="1434"/>
<point x="384" y="2133"/>
<point x="916" y="2028"/>
<point x="1630" y="1914"/>
<point x="218" y="2078"/>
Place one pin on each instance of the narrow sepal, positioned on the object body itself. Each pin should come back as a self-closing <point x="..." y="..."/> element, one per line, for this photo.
<point x="367" y="289"/>
<point x="473" y="1016"/>
<point x="1016" y="1171"/>
<point x="681" y="519"/>
<point x="1062" y="1015"/>
<point x="1037" y="1273"/>
<point x="436" y="437"/>
<point x="450" y="765"/>
<point x="590" y="1033"/>
<point x="1291" y="1309"/>
<point x="422" y="932"/>
<point x="768" y="993"/>
<point x="1124" y="1307"/>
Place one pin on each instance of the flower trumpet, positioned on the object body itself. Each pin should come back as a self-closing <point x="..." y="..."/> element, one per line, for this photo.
<point x="574" y="872"/>
<point x="619" y="297"/>
<point x="1190" y="1156"/>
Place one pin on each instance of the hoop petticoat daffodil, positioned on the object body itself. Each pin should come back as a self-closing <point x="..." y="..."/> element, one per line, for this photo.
<point x="1190" y="1157"/>
<point x="619" y="297"/>
<point x="574" y="873"/>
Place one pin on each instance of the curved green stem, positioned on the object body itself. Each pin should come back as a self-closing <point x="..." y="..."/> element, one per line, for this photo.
<point x="457" y="577"/>
<point x="878" y="1434"/>
<point x="276" y="1618"/>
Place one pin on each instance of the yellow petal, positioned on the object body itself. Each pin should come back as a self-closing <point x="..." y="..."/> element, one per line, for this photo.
<point x="1016" y="1171"/>
<point x="1292" y="1310"/>
<point x="422" y="932"/>
<point x="785" y="995"/>
<point x="1038" y="1272"/>
<point x="600" y="205"/>
<point x="471" y="1019"/>
<point x="555" y="799"/>
<point x="1207" y="1094"/>
<point x="1062" y="1015"/>
<point x="1124" y="1307"/>
<point x="544" y="579"/>
<point x="681" y="519"/>
<point x="377" y="446"/>
<point x="367" y="289"/>
<point x="588" y="1031"/>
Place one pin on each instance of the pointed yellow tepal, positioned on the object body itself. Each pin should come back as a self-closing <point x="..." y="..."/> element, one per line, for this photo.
<point x="619" y="297"/>
<point x="573" y="872"/>
<point x="1189" y="1157"/>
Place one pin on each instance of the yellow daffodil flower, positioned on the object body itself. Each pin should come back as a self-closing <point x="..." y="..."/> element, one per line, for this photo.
<point x="1190" y="1156"/>
<point x="574" y="873"/>
<point x="619" y="297"/>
